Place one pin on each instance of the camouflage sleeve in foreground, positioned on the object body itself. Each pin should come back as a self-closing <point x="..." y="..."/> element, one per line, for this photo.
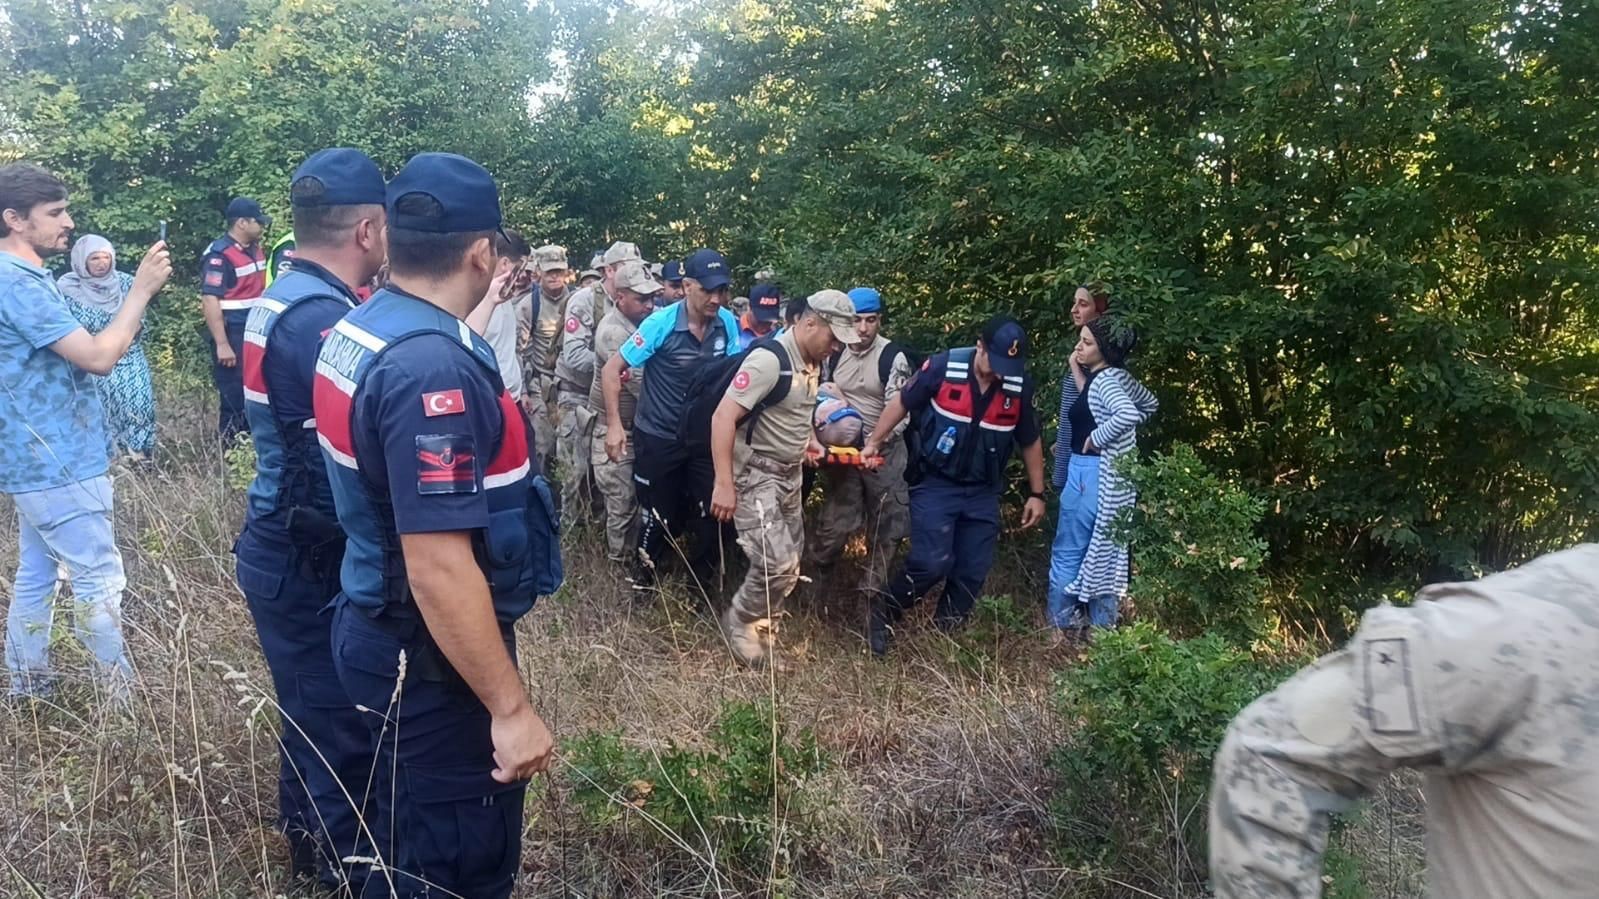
<point x="1486" y="686"/>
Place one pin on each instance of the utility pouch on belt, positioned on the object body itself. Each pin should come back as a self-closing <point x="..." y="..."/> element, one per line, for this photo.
<point x="320" y="540"/>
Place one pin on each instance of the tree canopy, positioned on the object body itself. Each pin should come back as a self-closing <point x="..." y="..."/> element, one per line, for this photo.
<point x="1357" y="236"/>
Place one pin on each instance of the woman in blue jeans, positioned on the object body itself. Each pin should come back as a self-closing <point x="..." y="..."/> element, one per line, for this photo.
<point x="1088" y="569"/>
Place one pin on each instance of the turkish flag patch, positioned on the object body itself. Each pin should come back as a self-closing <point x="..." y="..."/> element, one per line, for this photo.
<point x="638" y="339"/>
<point x="741" y="380"/>
<point x="445" y="463"/>
<point x="571" y="326"/>
<point x="443" y="402"/>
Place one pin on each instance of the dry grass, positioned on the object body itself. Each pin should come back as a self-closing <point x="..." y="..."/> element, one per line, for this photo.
<point x="937" y="783"/>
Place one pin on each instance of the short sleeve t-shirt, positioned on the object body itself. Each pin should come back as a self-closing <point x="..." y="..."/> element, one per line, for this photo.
<point x="430" y="464"/>
<point x="783" y="429"/>
<point x="665" y="341"/>
<point x="52" y="429"/>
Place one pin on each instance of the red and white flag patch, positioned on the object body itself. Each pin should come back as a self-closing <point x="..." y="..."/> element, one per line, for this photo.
<point x="741" y="380"/>
<point x="443" y="402"/>
<point x="571" y="325"/>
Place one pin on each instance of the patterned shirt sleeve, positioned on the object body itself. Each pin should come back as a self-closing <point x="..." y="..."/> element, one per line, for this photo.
<point x="37" y="313"/>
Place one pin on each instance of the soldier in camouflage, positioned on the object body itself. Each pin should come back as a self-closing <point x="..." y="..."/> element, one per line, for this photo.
<point x="539" y="317"/>
<point x="635" y="300"/>
<point x="876" y="499"/>
<point x="1491" y="688"/>
<point x="574" y="374"/>
<point x="758" y="442"/>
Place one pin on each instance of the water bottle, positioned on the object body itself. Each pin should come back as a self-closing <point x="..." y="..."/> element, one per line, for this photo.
<point x="947" y="442"/>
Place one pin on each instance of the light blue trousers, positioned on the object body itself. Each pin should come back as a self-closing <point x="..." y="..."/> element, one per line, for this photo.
<point x="1079" y="503"/>
<point x="68" y="527"/>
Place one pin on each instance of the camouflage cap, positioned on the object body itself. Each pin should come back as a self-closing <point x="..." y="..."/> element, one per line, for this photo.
<point x="633" y="276"/>
<point x="621" y="251"/>
<point x="550" y="258"/>
<point x="835" y="307"/>
<point x="587" y="273"/>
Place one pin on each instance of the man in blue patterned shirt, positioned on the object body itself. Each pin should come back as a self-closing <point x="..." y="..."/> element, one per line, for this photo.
<point x="52" y="441"/>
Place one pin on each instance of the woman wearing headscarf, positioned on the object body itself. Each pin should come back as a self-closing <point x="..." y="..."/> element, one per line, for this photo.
<point x="1088" y="569"/>
<point x="95" y="290"/>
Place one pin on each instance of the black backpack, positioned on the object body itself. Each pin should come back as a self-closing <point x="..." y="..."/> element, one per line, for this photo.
<point x="885" y="362"/>
<point x="709" y="385"/>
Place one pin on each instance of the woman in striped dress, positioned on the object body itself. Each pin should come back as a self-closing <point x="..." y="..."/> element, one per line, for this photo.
<point x="1088" y="568"/>
<point x="95" y="290"/>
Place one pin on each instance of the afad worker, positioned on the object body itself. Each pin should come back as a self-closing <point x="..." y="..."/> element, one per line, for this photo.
<point x="291" y="546"/>
<point x="450" y="538"/>
<point x="232" y="278"/>
<point x="971" y="406"/>
<point x="763" y="316"/>
<point x="1486" y="687"/>
<point x="759" y="441"/>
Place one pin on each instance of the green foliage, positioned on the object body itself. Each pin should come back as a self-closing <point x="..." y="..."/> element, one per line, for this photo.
<point x="239" y="460"/>
<point x="1148" y="713"/>
<point x="1199" y="558"/>
<point x="733" y="798"/>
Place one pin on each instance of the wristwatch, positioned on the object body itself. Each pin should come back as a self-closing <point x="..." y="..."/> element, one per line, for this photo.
<point x="1038" y="495"/>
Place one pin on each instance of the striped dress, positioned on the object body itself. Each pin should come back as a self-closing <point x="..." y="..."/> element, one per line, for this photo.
<point x="1120" y="404"/>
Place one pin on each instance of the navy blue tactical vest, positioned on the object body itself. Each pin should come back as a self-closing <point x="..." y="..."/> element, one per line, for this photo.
<point x="289" y="470"/>
<point x="955" y="446"/>
<point x="519" y="551"/>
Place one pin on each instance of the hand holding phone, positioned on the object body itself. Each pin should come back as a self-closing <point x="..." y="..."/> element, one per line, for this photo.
<point x="163" y="230"/>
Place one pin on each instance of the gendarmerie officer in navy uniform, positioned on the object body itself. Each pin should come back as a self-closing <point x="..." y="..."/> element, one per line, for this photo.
<point x="450" y="536"/>
<point x="972" y="406"/>
<point x="289" y="552"/>
<point x="232" y="278"/>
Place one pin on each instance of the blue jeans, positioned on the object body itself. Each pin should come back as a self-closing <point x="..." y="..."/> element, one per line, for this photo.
<point x="1079" y="504"/>
<point x="66" y="526"/>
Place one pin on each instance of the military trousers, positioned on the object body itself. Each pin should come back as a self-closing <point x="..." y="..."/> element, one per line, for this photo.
<point x="574" y="427"/>
<point x="954" y="530"/>
<point x="854" y="498"/>
<point x="326" y="765"/>
<point x="615" y="480"/>
<point x="770" y="520"/>
<point x="229" y="380"/>
<point x="455" y="827"/>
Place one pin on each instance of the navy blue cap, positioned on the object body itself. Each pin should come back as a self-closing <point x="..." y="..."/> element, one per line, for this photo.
<point x="672" y="271"/>
<point x="349" y="178"/>
<point x="707" y="267"/>
<point x="1006" y="343"/>
<point x="464" y="189"/>
<point x="766" y="303"/>
<point x="246" y="208"/>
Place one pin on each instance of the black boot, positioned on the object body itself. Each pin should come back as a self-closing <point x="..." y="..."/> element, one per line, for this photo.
<point x="879" y="626"/>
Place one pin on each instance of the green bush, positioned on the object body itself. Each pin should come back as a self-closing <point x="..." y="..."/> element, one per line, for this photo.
<point x="1195" y="539"/>
<point x="731" y="799"/>
<point x="1146" y="713"/>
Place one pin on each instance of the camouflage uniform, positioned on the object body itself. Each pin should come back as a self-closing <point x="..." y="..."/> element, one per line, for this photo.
<point x="540" y="343"/>
<point x="766" y="477"/>
<point x="574" y="372"/>
<point x="856" y="497"/>
<point x="1491" y="688"/>
<point x="615" y="479"/>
